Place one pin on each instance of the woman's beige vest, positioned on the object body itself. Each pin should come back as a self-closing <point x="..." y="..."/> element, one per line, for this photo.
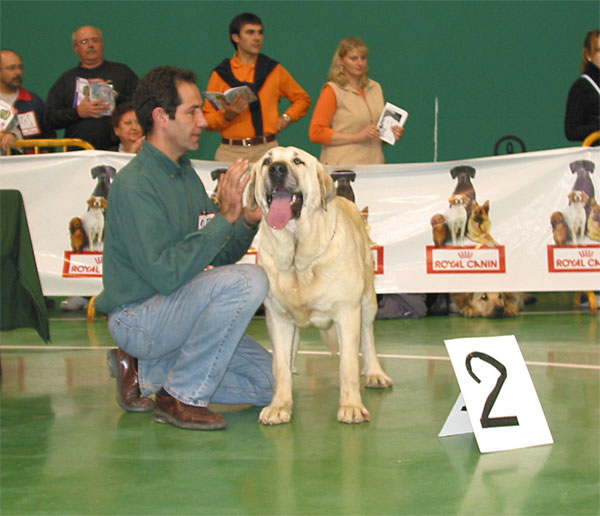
<point x="353" y="113"/>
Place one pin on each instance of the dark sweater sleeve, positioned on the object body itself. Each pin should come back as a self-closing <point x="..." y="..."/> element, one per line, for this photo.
<point x="580" y="120"/>
<point x="59" y="105"/>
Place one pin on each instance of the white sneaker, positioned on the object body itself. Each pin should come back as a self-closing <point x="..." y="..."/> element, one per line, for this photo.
<point x="74" y="303"/>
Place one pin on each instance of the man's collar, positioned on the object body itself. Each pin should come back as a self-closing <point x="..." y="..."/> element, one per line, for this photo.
<point x="237" y="62"/>
<point x="94" y="67"/>
<point x="168" y="166"/>
<point x="24" y="95"/>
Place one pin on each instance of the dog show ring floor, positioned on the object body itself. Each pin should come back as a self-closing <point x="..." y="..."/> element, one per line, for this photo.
<point x="67" y="448"/>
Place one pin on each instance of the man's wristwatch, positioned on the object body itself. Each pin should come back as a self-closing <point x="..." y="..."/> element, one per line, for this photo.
<point x="287" y="118"/>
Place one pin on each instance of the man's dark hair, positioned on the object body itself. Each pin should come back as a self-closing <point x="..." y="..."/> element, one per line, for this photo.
<point x="239" y="21"/>
<point x="158" y="88"/>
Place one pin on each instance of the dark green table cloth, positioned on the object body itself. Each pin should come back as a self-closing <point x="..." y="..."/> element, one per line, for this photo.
<point x="22" y="303"/>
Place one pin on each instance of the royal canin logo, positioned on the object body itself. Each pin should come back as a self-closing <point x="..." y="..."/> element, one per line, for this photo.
<point x="465" y="254"/>
<point x="586" y="253"/>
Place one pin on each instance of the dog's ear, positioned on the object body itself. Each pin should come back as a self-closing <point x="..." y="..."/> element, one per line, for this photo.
<point x="326" y="185"/>
<point x="486" y="206"/>
<point x="462" y="169"/>
<point x="249" y="191"/>
<point x="462" y="299"/>
<point x="74" y="223"/>
<point x="585" y="197"/>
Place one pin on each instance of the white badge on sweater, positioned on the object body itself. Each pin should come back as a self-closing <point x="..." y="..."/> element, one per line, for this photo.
<point x="28" y="123"/>
<point x="205" y="218"/>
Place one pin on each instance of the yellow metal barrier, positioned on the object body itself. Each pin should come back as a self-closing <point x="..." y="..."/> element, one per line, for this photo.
<point x="591" y="138"/>
<point x="39" y="143"/>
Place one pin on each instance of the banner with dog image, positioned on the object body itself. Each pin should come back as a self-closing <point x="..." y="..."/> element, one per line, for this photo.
<point x="519" y="222"/>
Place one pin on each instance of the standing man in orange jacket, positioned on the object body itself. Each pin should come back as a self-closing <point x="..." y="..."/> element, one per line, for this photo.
<point x="248" y="129"/>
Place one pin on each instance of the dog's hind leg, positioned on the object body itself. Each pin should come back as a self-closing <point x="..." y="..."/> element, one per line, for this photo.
<point x="374" y="375"/>
<point x="329" y="337"/>
<point x="351" y="408"/>
<point x="295" y="347"/>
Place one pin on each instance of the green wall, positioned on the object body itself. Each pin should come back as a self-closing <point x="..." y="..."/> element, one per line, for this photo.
<point x="497" y="67"/>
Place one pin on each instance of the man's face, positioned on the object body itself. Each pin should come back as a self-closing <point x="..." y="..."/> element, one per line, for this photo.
<point x="184" y="131"/>
<point x="11" y="70"/>
<point x="250" y="39"/>
<point x="89" y="46"/>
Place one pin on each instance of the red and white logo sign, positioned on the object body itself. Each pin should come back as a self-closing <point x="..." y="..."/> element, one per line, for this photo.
<point x="466" y="260"/>
<point x="86" y="264"/>
<point x="377" y="252"/>
<point x="574" y="258"/>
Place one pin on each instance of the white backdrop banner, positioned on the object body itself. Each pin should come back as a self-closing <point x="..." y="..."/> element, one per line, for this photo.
<point x="523" y="191"/>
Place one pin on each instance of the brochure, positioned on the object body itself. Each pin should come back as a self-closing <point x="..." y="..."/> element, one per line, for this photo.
<point x="390" y="116"/>
<point x="8" y="120"/>
<point x="95" y="90"/>
<point x="216" y="98"/>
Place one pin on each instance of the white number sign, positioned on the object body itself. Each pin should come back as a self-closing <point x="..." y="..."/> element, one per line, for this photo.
<point x="500" y="400"/>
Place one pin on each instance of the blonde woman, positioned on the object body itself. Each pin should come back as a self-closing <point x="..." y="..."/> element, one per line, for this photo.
<point x="345" y="118"/>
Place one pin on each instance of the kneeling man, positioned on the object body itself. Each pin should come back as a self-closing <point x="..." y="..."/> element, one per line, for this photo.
<point x="173" y="299"/>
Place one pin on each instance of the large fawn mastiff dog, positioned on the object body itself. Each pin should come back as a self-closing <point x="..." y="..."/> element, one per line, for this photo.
<point x="315" y="250"/>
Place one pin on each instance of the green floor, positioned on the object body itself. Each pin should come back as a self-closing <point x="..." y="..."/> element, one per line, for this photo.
<point x="68" y="449"/>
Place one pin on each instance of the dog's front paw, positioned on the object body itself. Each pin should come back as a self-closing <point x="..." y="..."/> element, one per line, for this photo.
<point x="511" y="310"/>
<point x="378" y="381"/>
<point x="353" y="414"/>
<point x="275" y="414"/>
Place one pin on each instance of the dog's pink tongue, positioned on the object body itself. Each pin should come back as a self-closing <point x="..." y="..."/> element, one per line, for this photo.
<point x="280" y="211"/>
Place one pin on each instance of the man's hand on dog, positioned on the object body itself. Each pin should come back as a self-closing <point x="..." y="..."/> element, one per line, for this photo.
<point x="230" y="191"/>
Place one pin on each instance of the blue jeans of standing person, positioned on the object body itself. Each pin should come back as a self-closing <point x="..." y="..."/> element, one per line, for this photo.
<point x="192" y="342"/>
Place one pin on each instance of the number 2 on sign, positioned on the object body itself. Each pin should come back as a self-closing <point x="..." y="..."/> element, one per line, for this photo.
<point x="486" y="421"/>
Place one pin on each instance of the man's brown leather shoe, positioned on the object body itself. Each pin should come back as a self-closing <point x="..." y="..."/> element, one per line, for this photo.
<point x="173" y="411"/>
<point x="122" y="367"/>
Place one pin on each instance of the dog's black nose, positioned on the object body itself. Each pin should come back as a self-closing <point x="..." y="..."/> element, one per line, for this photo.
<point x="277" y="171"/>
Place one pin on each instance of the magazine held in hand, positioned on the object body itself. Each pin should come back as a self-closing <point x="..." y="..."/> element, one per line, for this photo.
<point x="95" y="90"/>
<point x="216" y="98"/>
<point x="8" y="120"/>
<point x="390" y="116"/>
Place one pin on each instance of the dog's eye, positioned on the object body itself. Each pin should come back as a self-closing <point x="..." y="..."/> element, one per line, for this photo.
<point x="484" y="297"/>
<point x="267" y="162"/>
<point x="298" y="161"/>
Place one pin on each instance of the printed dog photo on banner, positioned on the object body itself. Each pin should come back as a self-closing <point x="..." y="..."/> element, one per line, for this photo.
<point x="581" y="216"/>
<point x="87" y="229"/>
<point x="464" y="217"/>
<point x="576" y="225"/>
<point x="462" y="239"/>
<point x="343" y="180"/>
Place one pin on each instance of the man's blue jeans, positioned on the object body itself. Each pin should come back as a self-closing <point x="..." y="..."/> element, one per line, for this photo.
<point x="192" y="341"/>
